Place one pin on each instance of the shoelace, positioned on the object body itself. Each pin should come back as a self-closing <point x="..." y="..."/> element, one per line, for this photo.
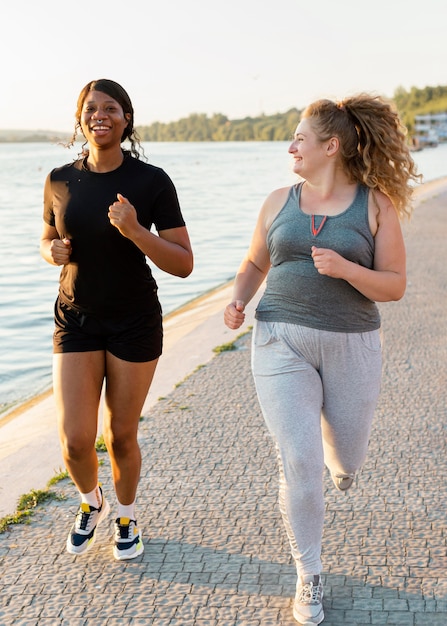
<point x="86" y="520"/>
<point x="310" y="593"/>
<point x="124" y="531"/>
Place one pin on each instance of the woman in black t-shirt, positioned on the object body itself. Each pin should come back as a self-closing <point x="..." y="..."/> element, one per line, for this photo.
<point x="98" y="212"/>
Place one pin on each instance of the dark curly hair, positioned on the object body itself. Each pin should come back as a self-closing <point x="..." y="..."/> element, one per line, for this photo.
<point x="118" y="93"/>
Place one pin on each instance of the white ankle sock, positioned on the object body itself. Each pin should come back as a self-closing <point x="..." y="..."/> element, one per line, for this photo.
<point x="93" y="498"/>
<point x="126" y="510"/>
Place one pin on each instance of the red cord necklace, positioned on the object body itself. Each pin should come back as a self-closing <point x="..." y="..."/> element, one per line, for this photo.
<point x="316" y="231"/>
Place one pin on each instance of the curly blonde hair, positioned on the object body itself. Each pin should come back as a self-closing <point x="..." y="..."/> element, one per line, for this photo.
<point x="373" y="145"/>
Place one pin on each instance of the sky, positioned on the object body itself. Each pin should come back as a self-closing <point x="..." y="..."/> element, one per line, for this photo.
<point x="237" y="57"/>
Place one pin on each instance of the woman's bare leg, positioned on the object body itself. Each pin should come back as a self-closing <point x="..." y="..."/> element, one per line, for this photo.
<point x="127" y="385"/>
<point x="77" y="381"/>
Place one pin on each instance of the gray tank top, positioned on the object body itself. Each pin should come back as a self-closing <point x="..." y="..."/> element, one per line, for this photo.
<point x="295" y="292"/>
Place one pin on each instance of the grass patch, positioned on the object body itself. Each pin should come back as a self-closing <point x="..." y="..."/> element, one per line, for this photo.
<point x="100" y="445"/>
<point x="20" y="517"/>
<point x="225" y="347"/>
<point x="29" y="501"/>
<point x="61" y="475"/>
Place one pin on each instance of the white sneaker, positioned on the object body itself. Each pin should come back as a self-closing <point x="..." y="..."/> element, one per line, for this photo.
<point x="308" y="607"/>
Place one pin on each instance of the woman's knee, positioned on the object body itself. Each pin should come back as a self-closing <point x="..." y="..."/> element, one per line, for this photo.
<point x="300" y="468"/>
<point x="77" y="447"/>
<point x="120" y="442"/>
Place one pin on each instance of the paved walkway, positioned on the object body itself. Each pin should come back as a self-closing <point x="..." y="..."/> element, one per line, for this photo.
<point x="216" y="553"/>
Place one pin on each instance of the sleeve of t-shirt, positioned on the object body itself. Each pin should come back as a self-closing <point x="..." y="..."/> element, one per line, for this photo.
<point x="166" y="210"/>
<point x="48" y="214"/>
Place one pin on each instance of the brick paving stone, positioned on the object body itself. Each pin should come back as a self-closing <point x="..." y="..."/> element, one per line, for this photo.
<point x="215" y="549"/>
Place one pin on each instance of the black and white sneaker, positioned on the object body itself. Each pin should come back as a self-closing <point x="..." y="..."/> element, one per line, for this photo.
<point x="82" y="534"/>
<point x="128" y="543"/>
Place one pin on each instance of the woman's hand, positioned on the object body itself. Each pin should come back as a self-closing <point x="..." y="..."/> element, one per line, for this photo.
<point x="234" y="315"/>
<point x="60" y="251"/>
<point x="386" y="280"/>
<point x="123" y="216"/>
<point x="170" y="250"/>
<point x="328" y="262"/>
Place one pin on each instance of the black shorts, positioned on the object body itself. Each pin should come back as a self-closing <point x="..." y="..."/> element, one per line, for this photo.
<point x="137" y="338"/>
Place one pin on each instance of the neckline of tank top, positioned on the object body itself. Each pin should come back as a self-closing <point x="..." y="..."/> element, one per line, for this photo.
<point x="312" y="216"/>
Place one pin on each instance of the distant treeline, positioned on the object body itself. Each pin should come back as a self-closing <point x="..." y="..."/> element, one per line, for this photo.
<point x="200" y="127"/>
<point x="278" y="127"/>
<point x="30" y="136"/>
<point x="419" y="102"/>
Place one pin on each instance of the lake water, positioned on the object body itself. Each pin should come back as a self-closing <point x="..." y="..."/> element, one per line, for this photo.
<point x="220" y="186"/>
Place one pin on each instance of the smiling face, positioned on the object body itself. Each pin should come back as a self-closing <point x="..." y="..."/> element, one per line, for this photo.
<point x="309" y="153"/>
<point x="102" y="119"/>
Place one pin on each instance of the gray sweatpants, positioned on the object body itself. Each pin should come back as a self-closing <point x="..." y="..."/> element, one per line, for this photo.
<point x="318" y="391"/>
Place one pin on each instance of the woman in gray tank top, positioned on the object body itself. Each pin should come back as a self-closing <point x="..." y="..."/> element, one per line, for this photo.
<point x="330" y="247"/>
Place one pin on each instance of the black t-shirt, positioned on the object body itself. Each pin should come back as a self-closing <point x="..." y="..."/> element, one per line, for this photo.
<point x="108" y="274"/>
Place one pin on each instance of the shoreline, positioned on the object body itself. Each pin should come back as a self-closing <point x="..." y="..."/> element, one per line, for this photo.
<point x="20" y="406"/>
<point x="29" y="446"/>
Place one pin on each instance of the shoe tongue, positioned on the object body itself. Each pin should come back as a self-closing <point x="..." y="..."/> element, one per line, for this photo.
<point x="124" y="521"/>
<point x="310" y="578"/>
<point x="85" y="508"/>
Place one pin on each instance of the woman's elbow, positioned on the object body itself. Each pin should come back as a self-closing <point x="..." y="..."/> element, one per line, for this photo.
<point x="399" y="294"/>
<point x="186" y="269"/>
<point x="397" y="291"/>
<point x="392" y="292"/>
<point x="400" y="288"/>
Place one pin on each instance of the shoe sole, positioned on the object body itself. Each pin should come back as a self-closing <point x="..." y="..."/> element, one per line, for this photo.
<point x="104" y="512"/>
<point x="306" y="622"/>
